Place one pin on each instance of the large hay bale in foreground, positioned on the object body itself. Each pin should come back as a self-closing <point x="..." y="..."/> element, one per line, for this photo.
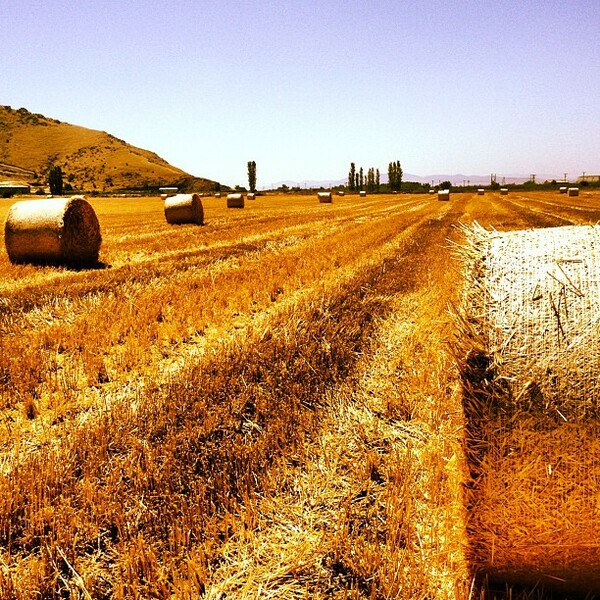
<point x="443" y="195"/>
<point x="362" y="193"/>
<point x="504" y="191"/>
<point x="61" y="231"/>
<point x="235" y="201"/>
<point x="184" y="208"/>
<point x="573" y="191"/>
<point x="324" y="197"/>
<point x="562" y="189"/>
<point x="530" y="364"/>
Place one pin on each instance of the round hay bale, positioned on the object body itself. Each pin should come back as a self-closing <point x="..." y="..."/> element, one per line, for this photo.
<point x="217" y="194"/>
<point x="324" y="197"/>
<point x="530" y="366"/>
<point x="251" y="196"/>
<point x="562" y="189"/>
<point x="184" y="208"/>
<point x="235" y="201"/>
<point x="573" y="191"/>
<point x="53" y="231"/>
<point x="341" y="193"/>
<point x="362" y="193"/>
<point x="443" y="194"/>
<point x="504" y="191"/>
<point x="480" y="191"/>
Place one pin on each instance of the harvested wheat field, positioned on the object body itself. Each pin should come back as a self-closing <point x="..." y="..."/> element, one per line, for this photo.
<point x="268" y="406"/>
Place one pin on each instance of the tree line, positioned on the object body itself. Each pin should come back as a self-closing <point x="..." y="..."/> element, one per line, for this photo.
<point x="372" y="182"/>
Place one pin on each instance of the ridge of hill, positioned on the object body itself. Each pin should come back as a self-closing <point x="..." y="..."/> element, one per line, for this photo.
<point x="91" y="160"/>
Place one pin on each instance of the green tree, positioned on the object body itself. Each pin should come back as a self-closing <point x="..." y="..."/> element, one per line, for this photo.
<point x="361" y="179"/>
<point x="395" y="176"/>
<point x="352" y="177"/>
<point x="55" y="181"/>
<point x="252" y="175"/>
<point x="371" y="180"/>
<point x="377" y="180"/>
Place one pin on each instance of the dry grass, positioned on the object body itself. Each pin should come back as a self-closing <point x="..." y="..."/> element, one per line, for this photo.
<point x="264" y="407"/>
<point x="90" y="159"/>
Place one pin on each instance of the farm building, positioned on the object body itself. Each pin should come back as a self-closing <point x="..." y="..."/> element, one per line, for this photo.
<point x="169" y="191"/>
<point x="12" y="189"/>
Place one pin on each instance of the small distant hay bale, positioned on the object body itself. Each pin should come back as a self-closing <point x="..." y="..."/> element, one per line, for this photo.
<point x="163" y="197"/>
<point x="184" y="208"/>
<point x="530" y="364"/>
<point x="562" y="189"/>
<point x="480" y="191"/>
<point x="341" y="193"/>
<point x="235" y="200"/>
<point x="443" y="195"/>
<point x="573" y="191"/>
<point x="217" y="194"/>
<point x="432" y="192"/>
<point x="504" y="191"/>
<point x="324" y="197"/>
<point x="251" y="196"/>
<point x="394" y="191"/>
<point x="362" y="193"/>
<point x="60" y="231"/>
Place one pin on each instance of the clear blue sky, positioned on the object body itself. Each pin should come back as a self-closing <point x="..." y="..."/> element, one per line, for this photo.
<point x="305" y="87"/>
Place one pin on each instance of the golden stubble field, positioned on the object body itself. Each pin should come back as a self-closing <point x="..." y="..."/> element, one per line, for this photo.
<point x="262" y="407"/>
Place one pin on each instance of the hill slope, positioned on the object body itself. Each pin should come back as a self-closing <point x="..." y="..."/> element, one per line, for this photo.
<point x="30" y="144"/>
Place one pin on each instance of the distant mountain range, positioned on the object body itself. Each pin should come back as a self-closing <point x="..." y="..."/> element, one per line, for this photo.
<point x="456" y="179"/>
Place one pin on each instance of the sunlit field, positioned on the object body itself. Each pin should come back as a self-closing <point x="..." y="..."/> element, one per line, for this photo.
<point x="266" y="406"/>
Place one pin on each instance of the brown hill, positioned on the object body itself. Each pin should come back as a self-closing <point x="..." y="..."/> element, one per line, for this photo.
<point x="91" y="160"/>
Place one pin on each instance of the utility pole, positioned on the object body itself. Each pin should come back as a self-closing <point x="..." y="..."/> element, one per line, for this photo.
<point x="532" y="178"/>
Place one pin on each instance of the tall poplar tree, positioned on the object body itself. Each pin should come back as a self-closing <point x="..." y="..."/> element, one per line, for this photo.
<point x="352" y="177"/>
<point x="55" y="181"/>
<point x="252" y="175"/>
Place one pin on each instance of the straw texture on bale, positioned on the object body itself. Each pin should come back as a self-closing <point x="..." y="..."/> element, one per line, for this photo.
<point x="184" y="208"/>
<point x="324" y="197"/>
<point x="573" y="191"/>
<point x="61" y="231"/>
<point x="530" y="363"/>
<point x="235" y="201"/>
